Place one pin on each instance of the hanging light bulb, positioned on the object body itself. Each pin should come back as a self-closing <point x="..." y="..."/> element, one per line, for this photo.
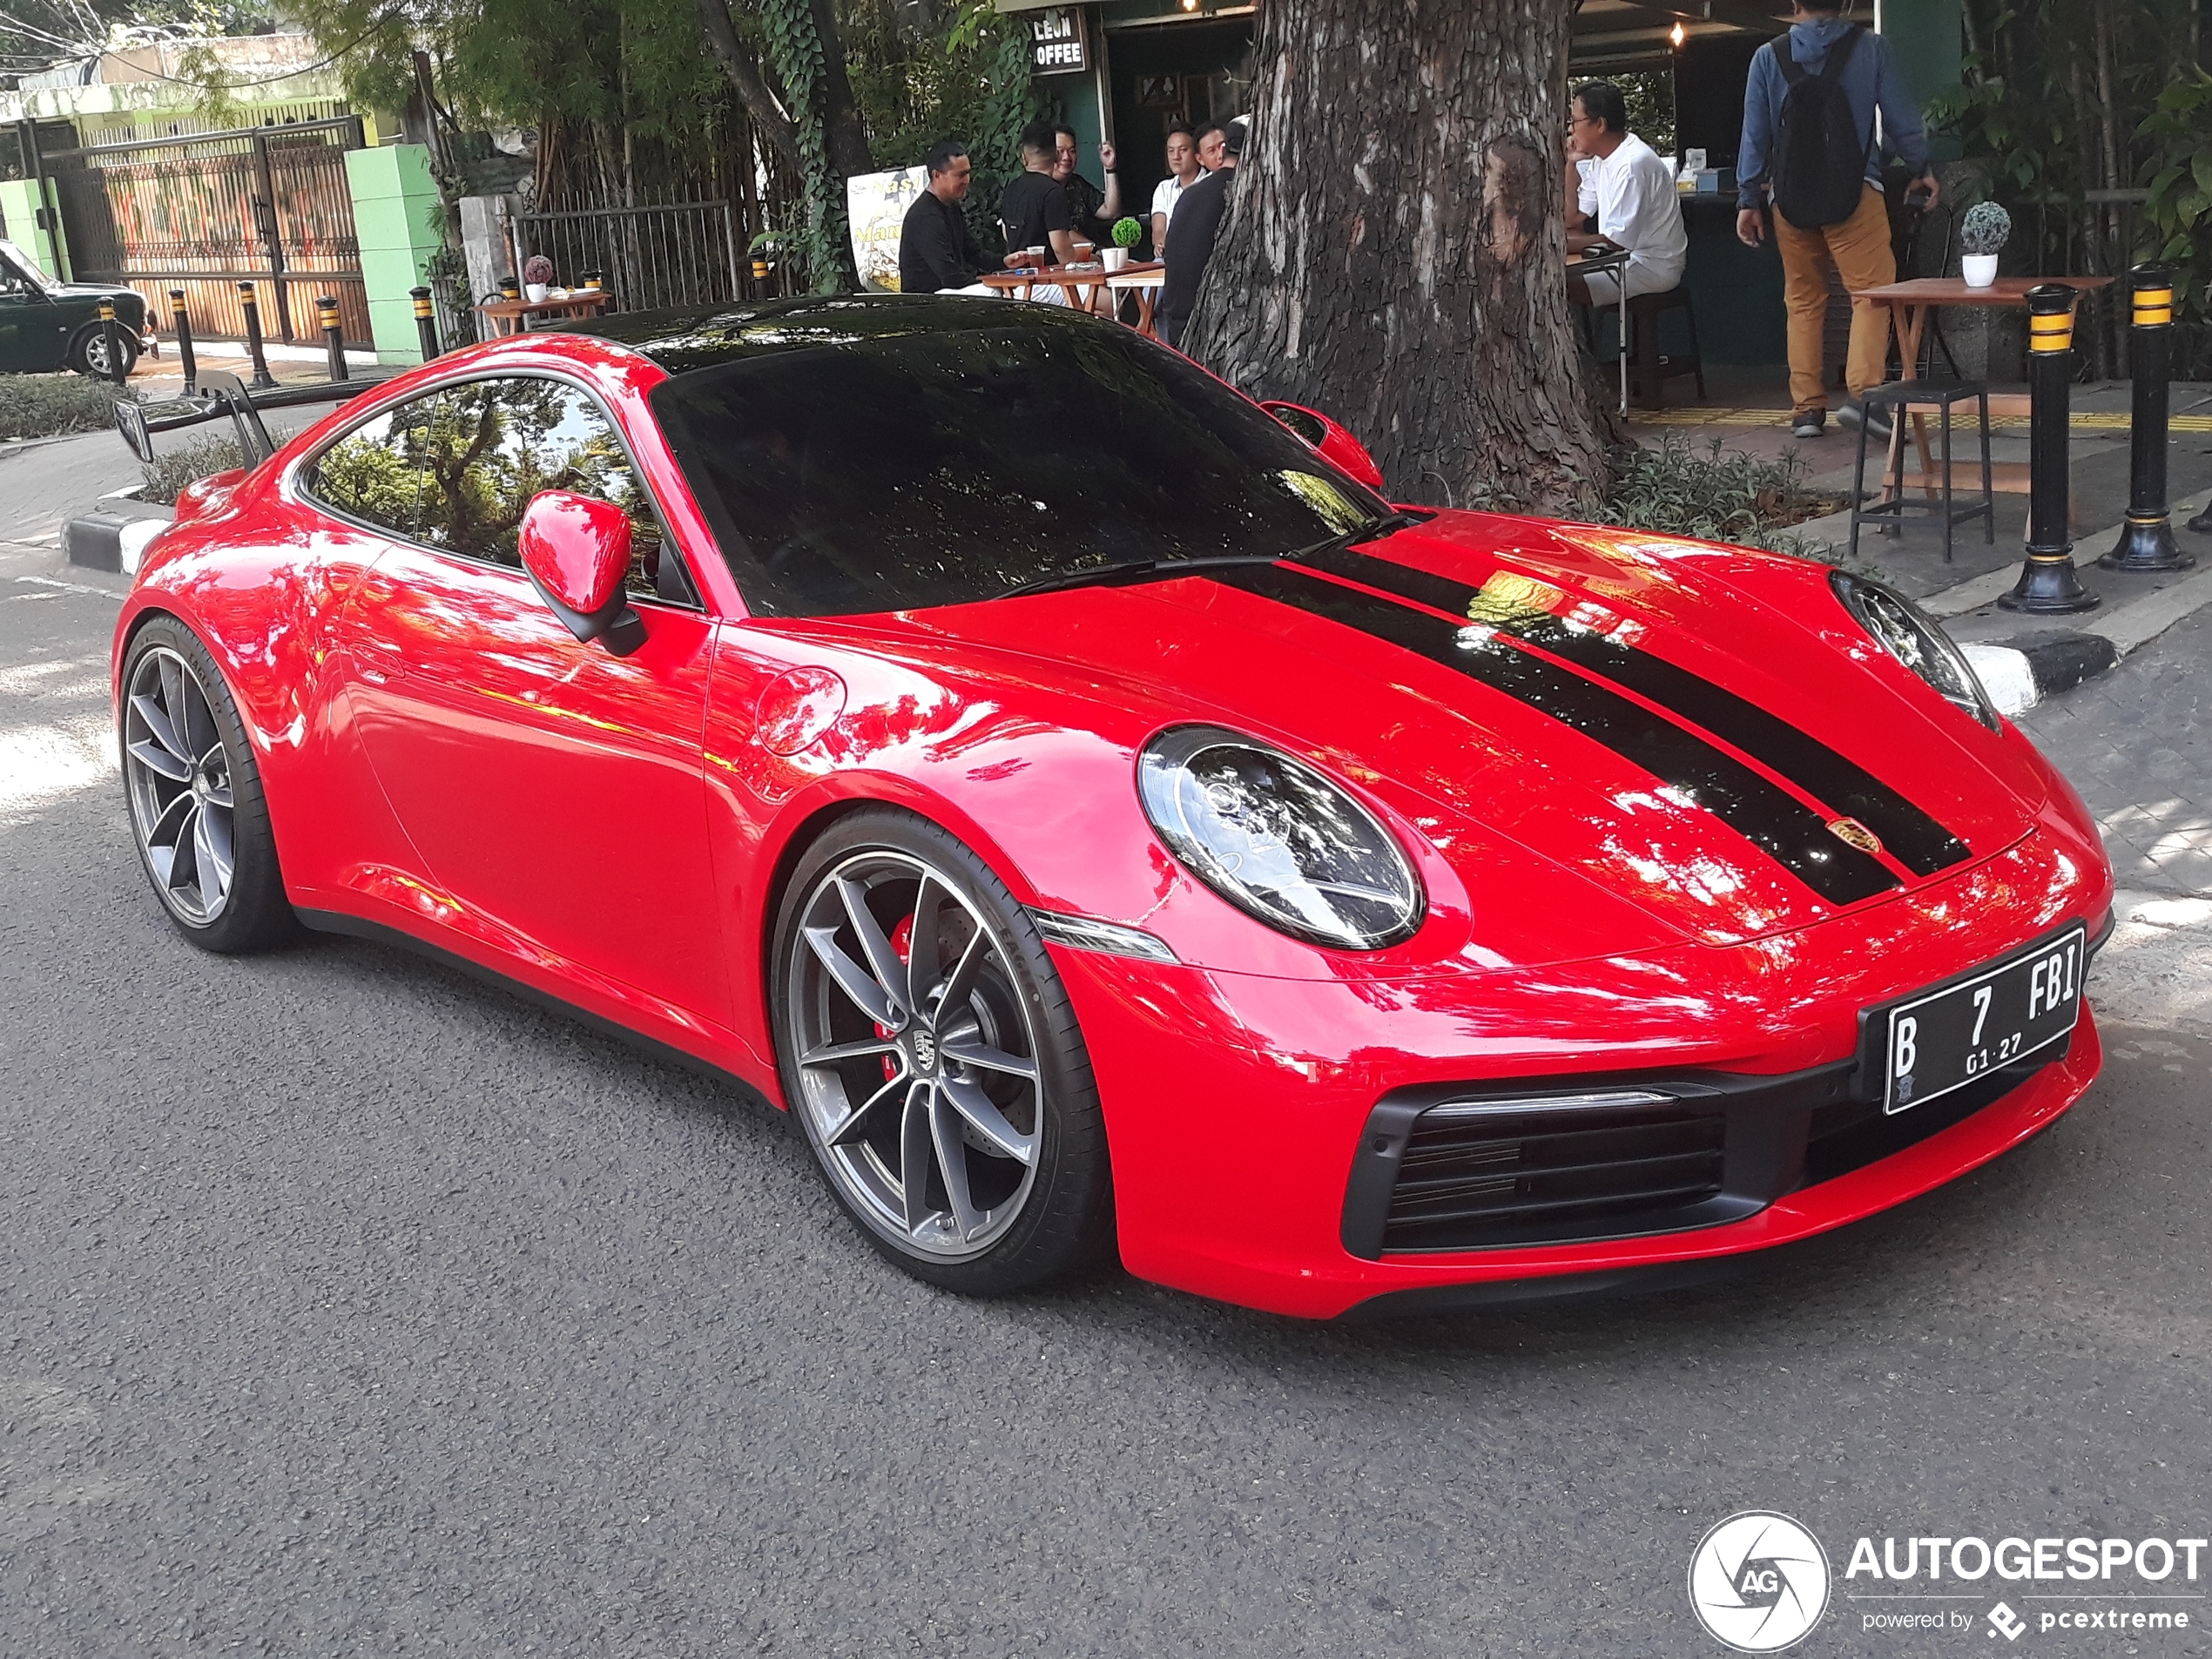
<point x="1677" y="35"/>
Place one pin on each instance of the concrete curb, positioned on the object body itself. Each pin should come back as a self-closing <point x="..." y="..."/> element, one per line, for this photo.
<point x="2020" y="673"/>
<point x="115" y="537"/>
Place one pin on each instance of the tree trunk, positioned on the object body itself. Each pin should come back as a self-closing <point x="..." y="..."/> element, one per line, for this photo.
<point x="1394" y="254"/>
<point x="744" y="76"/>
<point x="848" y="139"/>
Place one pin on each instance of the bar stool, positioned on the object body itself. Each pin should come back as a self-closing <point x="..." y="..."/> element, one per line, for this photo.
<point x="1900" y="398"/>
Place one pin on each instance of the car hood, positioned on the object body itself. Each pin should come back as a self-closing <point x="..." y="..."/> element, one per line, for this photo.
<point x="1700" y="732"/>
<point x="95" y="290"/>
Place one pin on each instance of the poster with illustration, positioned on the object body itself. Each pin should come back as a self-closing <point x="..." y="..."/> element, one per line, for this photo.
<point x="877" y="204"/>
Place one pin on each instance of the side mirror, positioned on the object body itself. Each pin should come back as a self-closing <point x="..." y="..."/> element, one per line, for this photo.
<point x="1332" y="441"/>
<point x="576" y="550"/>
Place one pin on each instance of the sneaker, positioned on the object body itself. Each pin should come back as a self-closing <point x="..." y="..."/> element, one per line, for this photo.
<point x="1855" y="414"/>
<point x="1808" y="423"/>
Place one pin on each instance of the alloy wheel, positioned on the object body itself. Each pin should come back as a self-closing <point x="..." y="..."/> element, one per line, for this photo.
<point x="179" y="776"/>
<point x="916" y="1055"/>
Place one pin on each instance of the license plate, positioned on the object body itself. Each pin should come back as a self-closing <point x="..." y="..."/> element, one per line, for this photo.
<point x="1943" y="1040"/>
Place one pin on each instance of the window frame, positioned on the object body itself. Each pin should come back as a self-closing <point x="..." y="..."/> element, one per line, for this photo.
<point x="297" y="478"/>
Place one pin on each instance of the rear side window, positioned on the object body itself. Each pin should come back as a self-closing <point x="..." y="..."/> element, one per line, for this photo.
<point x="491" y="445"/>
<point x="374" y="472"/>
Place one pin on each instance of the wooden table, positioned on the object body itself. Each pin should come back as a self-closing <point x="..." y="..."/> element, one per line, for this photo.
<point x="1068" y="277"/>
<point x="1145" y="281"/>
<point x="1595" y="261"/>
<point x="510" y="316"/>
<point x="1911" y="305"/>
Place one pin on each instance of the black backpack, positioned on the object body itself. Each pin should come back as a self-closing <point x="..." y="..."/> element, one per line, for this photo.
<point x="1819" y="154"/>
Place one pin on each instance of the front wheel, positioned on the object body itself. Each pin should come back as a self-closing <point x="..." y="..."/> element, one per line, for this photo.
<point x="930" y="1052"/>
<point x="88" y="352"/>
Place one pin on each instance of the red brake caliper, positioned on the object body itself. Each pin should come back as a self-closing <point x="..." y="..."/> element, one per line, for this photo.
<point x="902" y="940"/>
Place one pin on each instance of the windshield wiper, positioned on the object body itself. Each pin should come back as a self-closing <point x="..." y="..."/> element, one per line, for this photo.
<point x="1142" y="569"/>
<point x="1134" y="570"/>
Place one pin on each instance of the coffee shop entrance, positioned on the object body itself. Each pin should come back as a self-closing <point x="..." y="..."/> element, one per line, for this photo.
<point x="1126" y="70"/>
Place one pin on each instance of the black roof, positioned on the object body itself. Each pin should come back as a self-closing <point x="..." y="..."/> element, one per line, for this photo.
<point x="682" y="340"/>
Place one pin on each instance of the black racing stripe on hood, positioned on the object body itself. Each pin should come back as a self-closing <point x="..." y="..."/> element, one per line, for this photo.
<point x="1914" y="838"/>
<point x="1763" y="814"/>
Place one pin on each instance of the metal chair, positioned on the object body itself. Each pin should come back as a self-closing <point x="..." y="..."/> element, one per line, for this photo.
<point x="1899" y="398"/>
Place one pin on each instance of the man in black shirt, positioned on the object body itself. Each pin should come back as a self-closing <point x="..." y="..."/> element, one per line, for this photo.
<point x="1092" y="210"/>
<point x="1197" y="223"/>
<point x="1035" y="207"/>
<point x="936" y="249"/>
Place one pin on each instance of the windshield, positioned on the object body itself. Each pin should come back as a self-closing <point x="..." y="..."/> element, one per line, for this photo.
<point x="944" y="468"/>
<point x="15" y="264"/>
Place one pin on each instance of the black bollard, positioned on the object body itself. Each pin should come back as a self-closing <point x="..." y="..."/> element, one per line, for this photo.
<point x="2049" y="584"/>
<point x="333" y="337"/>
<point x="180" y="323"/>
<point x="2147" y="540"/>
<point x="426" y="322"/>
<point x="252" y="308"/>
<point x="111" y="342"/>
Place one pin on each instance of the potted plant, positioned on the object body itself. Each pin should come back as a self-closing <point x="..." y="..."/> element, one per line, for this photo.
<point x="1126" y="234"/>
<point x="1981" y="238"/>
<point x="537" y="274"/>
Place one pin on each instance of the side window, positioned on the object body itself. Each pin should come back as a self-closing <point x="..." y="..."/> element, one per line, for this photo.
<point x="374" y="472"/>
<point x="491" y="445"/>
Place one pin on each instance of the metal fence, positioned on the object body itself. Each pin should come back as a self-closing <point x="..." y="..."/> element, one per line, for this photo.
<point x="263" y="204"/>
<point x="684" y="255"/>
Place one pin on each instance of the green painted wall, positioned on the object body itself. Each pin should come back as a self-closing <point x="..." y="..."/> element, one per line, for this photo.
<point x="1928" y="42"/>
<point x="400" y="223"/>
<point x="49" y="250"/>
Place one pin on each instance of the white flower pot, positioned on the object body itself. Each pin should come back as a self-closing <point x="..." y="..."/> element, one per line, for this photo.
<point x="1116" y="258"/>
<point x="534" y="292"/>
<point x="1980" y="269"/>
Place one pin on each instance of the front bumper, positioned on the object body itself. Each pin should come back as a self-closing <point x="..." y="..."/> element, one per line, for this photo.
<point x="1237" y="1107"/>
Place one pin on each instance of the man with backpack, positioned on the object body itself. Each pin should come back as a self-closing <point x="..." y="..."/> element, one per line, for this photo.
<point x="1810" y="148"/>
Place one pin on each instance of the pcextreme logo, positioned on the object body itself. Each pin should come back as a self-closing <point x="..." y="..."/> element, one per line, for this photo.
<point x="1758" y="1582"/>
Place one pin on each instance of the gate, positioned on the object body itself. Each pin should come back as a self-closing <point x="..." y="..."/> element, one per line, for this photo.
<point x="683" y="254"/>
<point x="263" y="204"/>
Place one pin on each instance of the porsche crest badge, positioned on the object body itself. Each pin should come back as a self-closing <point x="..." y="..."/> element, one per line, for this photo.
<point x="1854" y="834"/>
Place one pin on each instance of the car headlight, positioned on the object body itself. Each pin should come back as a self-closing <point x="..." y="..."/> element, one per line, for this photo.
<point x="1277" y="839"/>
<point x="1916" y="639"/>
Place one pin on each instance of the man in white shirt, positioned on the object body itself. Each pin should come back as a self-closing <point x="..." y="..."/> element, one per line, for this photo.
<point x="1637" y="205"/>
<point x="1182" y="170"/>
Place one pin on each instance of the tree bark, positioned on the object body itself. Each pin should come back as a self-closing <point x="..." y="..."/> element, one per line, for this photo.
<point x="744" y="76"/>
<point x="848" y="138"/>
<point x="1395" y="256"/>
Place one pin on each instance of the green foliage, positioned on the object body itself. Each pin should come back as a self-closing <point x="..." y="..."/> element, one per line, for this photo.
<point x="915" y="84"/>
<point x="175" y="465"/>
<point x="2179" y="175"/>
<point x="1128" y="233"/>
<point x="795" y="53"/>
<point x="49" y="406"/>
<point x="1985" y="228"/>
<point x="1713" y="493"/>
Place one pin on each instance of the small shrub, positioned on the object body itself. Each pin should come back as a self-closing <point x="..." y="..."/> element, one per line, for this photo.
<point x="1128" y="233"/>
<point x="49" y="406"/>
<point x="1713" y="493"/>
<point x="187" y="463"/>
<point x="1985" y="229"/>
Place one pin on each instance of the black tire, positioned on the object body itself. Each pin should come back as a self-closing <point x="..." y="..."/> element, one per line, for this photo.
<point x="1058" y="1216"/>
<point x="250" y="912"/>
<point x="88" y="352"/>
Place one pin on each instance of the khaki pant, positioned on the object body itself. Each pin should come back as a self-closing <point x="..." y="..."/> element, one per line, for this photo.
<point x="1859" y="250"/>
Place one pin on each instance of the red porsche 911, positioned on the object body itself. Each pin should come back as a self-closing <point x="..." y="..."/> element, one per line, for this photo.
<point x="1104" y="822"/>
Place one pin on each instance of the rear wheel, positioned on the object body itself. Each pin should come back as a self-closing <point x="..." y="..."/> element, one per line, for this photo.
<point x="88" y="352"/>
<point x="201" y="825"/>
<point x="930" y="1052"/>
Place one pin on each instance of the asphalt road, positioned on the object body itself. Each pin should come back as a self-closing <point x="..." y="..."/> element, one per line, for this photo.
<point x="349" y="1306"/>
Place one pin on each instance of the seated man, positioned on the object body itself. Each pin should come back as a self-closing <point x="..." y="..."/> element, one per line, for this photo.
<point x="1090" y="210"/>
<point x="1034" y="208"/>
<point x="936" y="249"/>
<point x="1637" y="205"/>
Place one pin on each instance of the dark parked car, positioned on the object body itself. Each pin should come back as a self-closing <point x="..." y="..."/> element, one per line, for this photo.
<point x="45" y="324"/>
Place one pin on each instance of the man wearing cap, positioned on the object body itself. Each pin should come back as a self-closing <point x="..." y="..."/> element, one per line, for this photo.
<point x="1197" y="224"/>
